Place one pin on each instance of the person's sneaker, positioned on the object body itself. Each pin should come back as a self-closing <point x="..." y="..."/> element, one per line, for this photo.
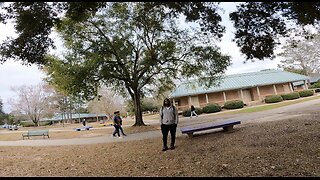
<point x="114" y="136"/>
<point x="172" y="147"/>
<point x="164" y="149"/>
<point x="124" y="134"/>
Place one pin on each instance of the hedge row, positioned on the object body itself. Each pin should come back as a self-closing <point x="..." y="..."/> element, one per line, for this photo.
<point x="306" y="93"/>
<point x="273" y="99"/>
<point x="214" y="107"/>
<point x="188" y="112"/>
<point x="289" y="96"/>
<point x="236" y="104"/>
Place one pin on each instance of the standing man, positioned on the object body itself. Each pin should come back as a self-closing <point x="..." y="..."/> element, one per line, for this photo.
<point x="168" y="121"/>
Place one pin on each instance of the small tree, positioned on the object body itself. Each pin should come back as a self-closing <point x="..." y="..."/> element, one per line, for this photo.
<point x="32" y="101"/>
<point x="302" y="57"/>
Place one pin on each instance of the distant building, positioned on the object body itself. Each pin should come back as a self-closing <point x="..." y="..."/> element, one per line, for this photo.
<point x="251" y="88"/>
<point x="314" y="78"/>
<point x="77" y="118"/>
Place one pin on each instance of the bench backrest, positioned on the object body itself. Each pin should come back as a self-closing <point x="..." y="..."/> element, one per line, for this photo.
<point x="38" y="132"/>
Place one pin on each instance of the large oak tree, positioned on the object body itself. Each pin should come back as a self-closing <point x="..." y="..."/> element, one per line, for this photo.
<point x="134" y="49"/>
<point x="259" y="25"/>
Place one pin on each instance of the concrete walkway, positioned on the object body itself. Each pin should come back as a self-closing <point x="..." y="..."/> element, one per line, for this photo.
<point x="273" y="114"/>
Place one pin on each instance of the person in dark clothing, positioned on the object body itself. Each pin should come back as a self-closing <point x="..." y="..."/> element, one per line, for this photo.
<point x="193" y="111"/>
<point x="84" y="122"/>
<point x="117" y="122"/>
<point x="120" y="122"/>
<point x="168" y="122"/>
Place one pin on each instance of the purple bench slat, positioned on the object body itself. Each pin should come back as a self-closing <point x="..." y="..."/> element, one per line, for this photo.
<point x="211" y="125"/>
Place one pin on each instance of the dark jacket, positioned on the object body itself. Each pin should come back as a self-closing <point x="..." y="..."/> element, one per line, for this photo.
<point x="117" y="120"/>
<point x="192" y="108"/>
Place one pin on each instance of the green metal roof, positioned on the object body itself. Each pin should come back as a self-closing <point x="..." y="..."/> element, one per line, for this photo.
<point x="238" y="81"/>
<point x="315" y="78"/>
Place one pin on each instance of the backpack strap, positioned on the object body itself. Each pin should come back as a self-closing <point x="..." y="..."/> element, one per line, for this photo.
<point x="174" y="112"/>
<point x="162" y="113"/>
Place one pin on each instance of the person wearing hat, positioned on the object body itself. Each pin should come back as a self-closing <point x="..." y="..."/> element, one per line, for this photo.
<point x="117" y="122"/>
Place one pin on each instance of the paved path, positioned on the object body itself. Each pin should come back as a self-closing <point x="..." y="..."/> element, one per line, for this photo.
<point x="278" y="113"/>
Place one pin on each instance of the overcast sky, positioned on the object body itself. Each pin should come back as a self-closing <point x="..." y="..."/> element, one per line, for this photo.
<point x="14" y="74"/>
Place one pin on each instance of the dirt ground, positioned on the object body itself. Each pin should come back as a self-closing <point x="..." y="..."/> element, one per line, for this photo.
<point x="68" y="132"/>
<point x="286" y="147"/>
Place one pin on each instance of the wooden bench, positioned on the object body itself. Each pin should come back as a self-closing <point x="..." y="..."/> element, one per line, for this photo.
<point x="226" y="125"/>
<point x="36" y="133"/>
<point x="83" y="128"/>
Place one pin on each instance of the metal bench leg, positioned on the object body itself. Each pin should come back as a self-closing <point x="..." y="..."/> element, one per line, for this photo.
<point x="190" y="135"/>
<point x="228" y="128"/>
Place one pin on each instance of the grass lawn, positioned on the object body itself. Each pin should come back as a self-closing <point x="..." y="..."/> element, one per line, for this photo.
<point x="265" y="107"/>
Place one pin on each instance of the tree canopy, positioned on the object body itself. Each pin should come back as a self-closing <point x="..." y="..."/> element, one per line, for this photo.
<point x="258" y="24"/>
<point x="136" y="46"/>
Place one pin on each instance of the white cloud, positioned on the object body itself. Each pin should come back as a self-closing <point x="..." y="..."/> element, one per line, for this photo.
<point x="12" y="73"/>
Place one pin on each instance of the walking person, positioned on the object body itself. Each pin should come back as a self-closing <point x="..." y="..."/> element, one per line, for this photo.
<point x="193" y="111"/>
<point x="168" y="121"/>
<point x="120" y="122"/>
<point x="116" y="124"/>
<point x="84" y="122"/>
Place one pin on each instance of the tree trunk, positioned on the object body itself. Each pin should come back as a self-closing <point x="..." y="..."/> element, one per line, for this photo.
<point x="137" y="107"/>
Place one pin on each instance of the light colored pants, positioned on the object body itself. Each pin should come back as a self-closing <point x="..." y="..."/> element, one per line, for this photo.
<point x="193" y="112"/>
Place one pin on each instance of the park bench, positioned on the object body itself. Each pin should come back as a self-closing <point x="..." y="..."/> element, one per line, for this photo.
<point x="83" y="128"/>
<point x="36" y="133"/>
<point x="226" y="125"/>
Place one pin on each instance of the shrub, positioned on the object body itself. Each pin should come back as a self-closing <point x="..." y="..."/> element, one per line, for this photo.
<point x="27" y="124"/>
<point x="211" y="108"/>
<point x="306" y="93"/>
<point x="315" y="85"/>
<point x="187" y="113"/>
<point x="233" y="104"/>
<point x="273" y="99"/>
<point x="290" y="96"/>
